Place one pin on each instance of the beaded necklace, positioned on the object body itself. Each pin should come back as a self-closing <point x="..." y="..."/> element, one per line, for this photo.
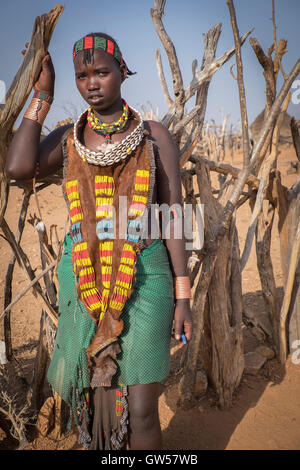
<point x="114" y="152"/>
<point x="110" y="128"/>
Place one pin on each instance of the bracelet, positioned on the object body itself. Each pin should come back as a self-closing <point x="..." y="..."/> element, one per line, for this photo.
<point x="39" y="106"/>
<point x="182" y="287"/>
<point x="42" y="95"/>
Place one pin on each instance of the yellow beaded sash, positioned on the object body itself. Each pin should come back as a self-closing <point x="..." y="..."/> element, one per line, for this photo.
<point x="104" y="260"/>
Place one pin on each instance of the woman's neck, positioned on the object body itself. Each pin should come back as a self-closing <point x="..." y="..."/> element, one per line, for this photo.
<point x="112" y="113"/>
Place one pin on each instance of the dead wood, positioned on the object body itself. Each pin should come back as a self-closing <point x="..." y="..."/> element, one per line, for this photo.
<point x="21" y="87"/>
<point x="296" y="137"/>
<point x="240" y="81"/>
<point x="293" y="264"/>
<point x="263" y="185"/>
<point x="200" y="77"/>
<point x="163" y="79"/>
<point x="220" y="231"/>
<point x="156" y="14"/>
<point x="35" y="394"/>
<point x="9" y="276"/>
<point x="288" y="208"/>
<point x="51" y="312"/>
<point x="210" y="46"/>
<point x="225" y="169"/>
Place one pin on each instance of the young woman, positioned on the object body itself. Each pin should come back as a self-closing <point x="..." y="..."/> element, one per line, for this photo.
<point x="121" y="286"/>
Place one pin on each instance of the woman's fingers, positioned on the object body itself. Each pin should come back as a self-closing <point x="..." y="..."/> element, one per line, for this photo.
<point x="188" y="328"/>
<point x="26" y="47"/>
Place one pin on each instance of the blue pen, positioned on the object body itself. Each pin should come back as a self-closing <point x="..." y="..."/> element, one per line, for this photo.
<point x="183" y="338"/>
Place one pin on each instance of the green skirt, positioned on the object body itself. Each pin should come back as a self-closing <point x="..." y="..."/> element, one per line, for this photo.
<point x="144" y="341"/>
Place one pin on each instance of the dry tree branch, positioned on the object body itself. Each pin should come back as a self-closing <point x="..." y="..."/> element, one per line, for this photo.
<point x="263" y="185"/>
<point x="18" y="418"/>
<point x="293" y="262"/>
<point x="21" y="87"/>
<point x="244" y="173"/>
<point x="279" y="51"/>
<point x="200" y="77"/>
<point x="9" y="273"/>
<point x="29" y="70"/>
<point x="296" y="137"/>
<point x="24" y="262"/>
<point x="231" y="72"/>
<point x="26" y="289"/>
<point x="163" y="79"/>
<point x="241" y="86"/>
<point x="274" y="112"/>
<point x="225" y="169"/>
<point x="186" y="119"/>
<point x="156" y="14"/>
<point x="210" y="46"/>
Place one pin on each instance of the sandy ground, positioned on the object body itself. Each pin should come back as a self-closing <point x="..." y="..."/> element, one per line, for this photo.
<point x="266" y="409"/>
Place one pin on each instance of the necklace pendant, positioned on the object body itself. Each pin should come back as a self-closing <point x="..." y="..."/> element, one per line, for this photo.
<point x="108" y="139"/>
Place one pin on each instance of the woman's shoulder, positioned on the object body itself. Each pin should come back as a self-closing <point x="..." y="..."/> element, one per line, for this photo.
<point x="162" y="138"/>
<point x="156" y="130"/>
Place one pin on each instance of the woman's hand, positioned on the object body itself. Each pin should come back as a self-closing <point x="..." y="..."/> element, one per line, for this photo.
<point x="46" y="78"/>
<point x="182" y="320"/>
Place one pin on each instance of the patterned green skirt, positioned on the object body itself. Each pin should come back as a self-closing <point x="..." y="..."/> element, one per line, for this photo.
<point x="145" y="339"/>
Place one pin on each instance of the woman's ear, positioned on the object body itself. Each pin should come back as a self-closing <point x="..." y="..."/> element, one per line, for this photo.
<point x="123" y="70"/>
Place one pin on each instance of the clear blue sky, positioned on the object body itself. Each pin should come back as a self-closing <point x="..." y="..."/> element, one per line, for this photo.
<point x="130" y="23"/>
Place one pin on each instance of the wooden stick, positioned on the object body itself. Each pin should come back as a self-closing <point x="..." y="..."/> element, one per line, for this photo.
<point x="294" y="260"/>
<point x="24" y="291"/>
<point x="201" y="77"/>
<point x="163" y="79"/>
<point x="225" y="169"/>
<point x="186" y="119"/>
<point x="264" y="182"/>
<point x="210" y="46"/>
<point x="156" y="14"/>
<point x="240" y="80"/>
<point x="278" y="54"/>
<point x="296" y="137"/>
<point x="21" y="87"/>
<point x="9" y="275"/>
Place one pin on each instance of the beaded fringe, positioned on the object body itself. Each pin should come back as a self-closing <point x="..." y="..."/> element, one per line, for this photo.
<point x="118" y="439"/>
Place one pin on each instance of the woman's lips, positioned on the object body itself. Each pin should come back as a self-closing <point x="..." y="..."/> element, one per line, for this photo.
<point x="95" y="99"/>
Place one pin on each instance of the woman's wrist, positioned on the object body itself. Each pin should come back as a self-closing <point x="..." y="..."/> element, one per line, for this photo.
<point x="182" y="301"/>
<point x="43" y="95"/>
<point x="182" y="288"/>
<point x="39" y="106"/>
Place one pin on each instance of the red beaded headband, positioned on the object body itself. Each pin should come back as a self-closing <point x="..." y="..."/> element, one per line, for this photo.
<point x="100" y="43"/>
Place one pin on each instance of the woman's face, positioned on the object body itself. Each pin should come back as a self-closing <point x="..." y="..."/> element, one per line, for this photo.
<point x="99" y="82"/>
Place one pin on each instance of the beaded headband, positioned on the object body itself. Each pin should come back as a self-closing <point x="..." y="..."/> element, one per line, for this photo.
<point x="100" y="43"/>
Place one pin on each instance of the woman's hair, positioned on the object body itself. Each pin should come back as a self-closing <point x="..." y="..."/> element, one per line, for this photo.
<point x="88" y="54"/>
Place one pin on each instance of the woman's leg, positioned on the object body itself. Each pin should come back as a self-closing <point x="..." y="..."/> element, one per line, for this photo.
<point x="144" y="425"/>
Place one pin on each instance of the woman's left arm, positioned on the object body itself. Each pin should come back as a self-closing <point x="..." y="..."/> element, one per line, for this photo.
<point x="169" y="192"/>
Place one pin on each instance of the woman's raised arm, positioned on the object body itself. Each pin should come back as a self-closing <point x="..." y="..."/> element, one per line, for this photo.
<point x="26" y="152"/>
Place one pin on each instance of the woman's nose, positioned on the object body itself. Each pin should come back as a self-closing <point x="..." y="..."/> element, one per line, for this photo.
<point x="93" y="84"/>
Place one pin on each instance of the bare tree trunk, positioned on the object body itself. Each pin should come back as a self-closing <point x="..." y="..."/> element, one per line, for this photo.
<point x="9" y="277"/>
<point x="21" y="87"/>
<point x="265" y="269"/>
<point x="36" y="394"/>
<point x="288" y="206"/>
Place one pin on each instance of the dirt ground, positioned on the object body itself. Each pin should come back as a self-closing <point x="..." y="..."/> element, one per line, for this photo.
<point x="266" y="409"/>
